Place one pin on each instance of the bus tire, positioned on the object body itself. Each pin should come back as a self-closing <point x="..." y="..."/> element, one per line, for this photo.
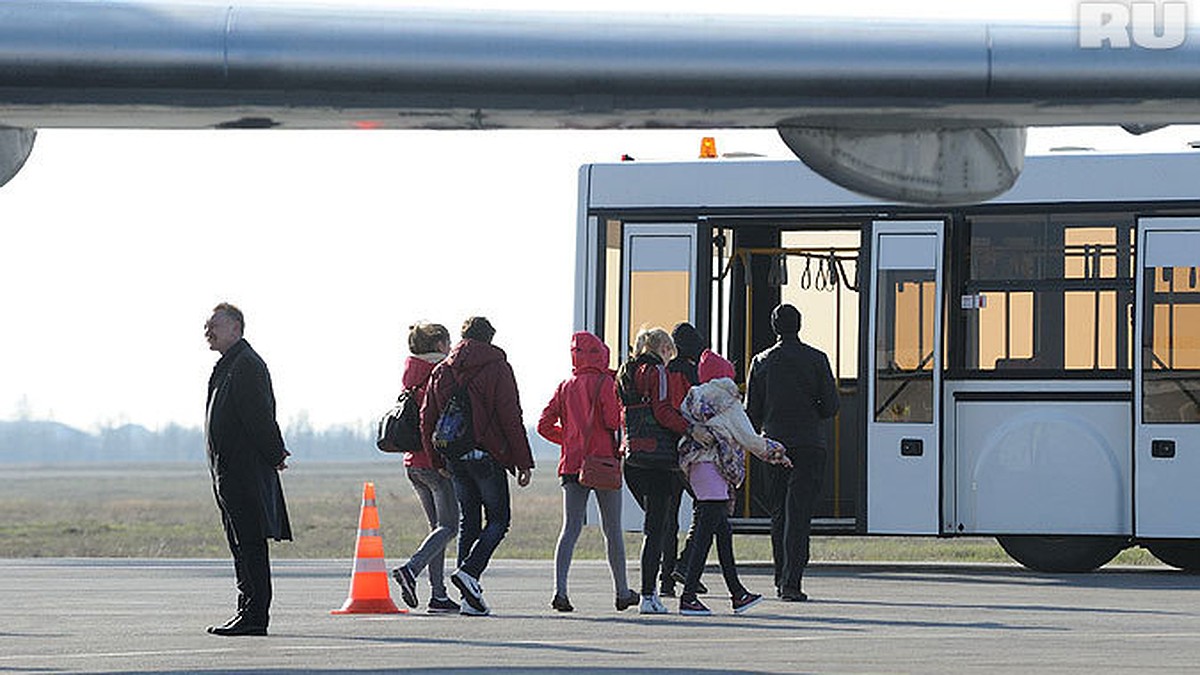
<point x="1061" y="554"/>
<point x="1181" y="553"/>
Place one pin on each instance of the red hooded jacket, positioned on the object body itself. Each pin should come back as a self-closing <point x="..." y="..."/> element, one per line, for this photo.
<point x="416" y="374"/>
<point x="588" y="396"/>
<point x="495" y="403"/>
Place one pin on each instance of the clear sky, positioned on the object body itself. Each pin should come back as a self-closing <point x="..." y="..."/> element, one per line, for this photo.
<point x="114" y="245"/>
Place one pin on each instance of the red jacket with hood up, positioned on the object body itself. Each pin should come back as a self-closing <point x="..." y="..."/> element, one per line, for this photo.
<point x="589" y="394"/>
<point x="495" y="403"/>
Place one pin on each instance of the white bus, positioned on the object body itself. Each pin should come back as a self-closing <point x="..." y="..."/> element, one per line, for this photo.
<point x="1027" y="368"/>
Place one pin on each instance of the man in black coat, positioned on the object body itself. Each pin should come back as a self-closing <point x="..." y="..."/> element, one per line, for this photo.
<point x="245" y="455"/>
<point x="789" y="391"/>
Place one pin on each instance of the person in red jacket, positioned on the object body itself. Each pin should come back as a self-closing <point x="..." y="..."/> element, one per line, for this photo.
<point x="652" y="430"/>
<point x="501" y="445"/>
<point x="581" y="417"/>
<point x="429" y="344"/>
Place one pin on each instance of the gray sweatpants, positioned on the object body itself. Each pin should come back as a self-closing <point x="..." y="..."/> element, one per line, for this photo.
<point x="575" y="497"/>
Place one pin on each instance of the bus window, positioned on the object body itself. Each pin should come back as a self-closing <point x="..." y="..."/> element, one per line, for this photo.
<point x="1049" y="293"/>
<point x="1005" y="327"/>
<point x="905" y="342"/>
<point x="1171" y="352"/>
<point x="1090" y="316"/>
<point x="659" y="265"/>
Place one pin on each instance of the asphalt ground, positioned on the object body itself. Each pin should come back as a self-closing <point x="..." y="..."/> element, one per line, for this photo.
<point x="148" y="616"/>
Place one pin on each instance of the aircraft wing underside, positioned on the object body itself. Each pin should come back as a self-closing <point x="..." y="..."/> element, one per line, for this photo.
<point x="867" y="104"/>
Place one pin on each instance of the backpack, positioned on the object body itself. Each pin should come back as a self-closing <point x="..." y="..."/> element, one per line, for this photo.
<point x="400" y="428"/>
<point x="647" y="443"/>
<point x="454" y="434"/>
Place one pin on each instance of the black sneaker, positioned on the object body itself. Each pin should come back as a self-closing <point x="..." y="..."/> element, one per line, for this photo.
<point x="745" y="602"/>
<point x="701" y="589"/>
<point x="408" y="585"/>
<point x="442" y="606"/>
<point x="561" y="603"/>
<point x="631" y="598"/>
<point x="667" y="589"/>
<point x="691" y="606"/>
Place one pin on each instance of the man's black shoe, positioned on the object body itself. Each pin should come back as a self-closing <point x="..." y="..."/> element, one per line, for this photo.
<point x="792" y="595"/>
<point x="232" y="620"/>
<point x="241" y="627"/>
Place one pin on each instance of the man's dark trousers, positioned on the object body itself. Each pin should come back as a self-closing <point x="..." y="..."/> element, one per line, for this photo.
<point x="252" y="567"/>
<point x="794" y="495"/>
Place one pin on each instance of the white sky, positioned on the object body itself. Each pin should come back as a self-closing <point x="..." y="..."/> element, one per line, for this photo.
<point x="114" y="245"/>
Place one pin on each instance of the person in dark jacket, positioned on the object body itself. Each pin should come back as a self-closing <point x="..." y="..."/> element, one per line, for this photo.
<point x="501" y="445"/>
<point x="245" y="455"/>
<point x="789" y="391"/>
<point x="681" y="377"/>
<point x="652" y="430"/>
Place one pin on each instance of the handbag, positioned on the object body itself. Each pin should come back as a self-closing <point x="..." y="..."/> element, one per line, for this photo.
<point x="599" y="471"/>
<point x="399" y="430"/>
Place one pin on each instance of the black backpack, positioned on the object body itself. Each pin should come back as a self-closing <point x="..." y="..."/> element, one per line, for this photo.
<point x="400" y="428"/>
<point x="454" y="435"/>
<point x="647" y="444"/>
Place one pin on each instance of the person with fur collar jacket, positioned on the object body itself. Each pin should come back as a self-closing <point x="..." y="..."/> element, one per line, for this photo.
<point x="712" y="456"/>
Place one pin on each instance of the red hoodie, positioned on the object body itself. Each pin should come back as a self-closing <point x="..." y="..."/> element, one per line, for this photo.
<point x="416" y="374"/>
<point x="495" y="403"/>
<point x="590" y="394"/>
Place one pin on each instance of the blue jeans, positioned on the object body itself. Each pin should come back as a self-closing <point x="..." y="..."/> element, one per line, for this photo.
<point x="481" y="486"/>
<point x="436" y="493"/>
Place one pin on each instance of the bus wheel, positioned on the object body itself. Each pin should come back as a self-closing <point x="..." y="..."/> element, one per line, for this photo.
<point x="1061" y="554"/>
<point x="1181" y="553"/>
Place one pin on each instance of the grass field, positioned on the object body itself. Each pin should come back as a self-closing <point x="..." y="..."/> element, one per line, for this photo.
<point x="167" y="511"/>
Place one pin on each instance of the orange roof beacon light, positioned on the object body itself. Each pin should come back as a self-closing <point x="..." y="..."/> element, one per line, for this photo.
<point x="708" y="148"/>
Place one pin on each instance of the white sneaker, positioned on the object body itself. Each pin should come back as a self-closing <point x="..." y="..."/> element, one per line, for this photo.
<point x="472" y="593"/>
<point x="470" y="610"/>
<point x="652" y="605"/>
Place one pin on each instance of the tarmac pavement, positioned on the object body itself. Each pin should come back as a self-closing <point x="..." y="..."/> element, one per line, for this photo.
<point x="148" y="616"/>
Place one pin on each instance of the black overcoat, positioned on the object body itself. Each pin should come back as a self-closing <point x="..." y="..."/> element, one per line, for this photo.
<point x="789" y="390"/>
<point x="245" y="446"/>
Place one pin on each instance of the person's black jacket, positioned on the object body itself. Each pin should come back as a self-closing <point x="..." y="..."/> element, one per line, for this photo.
<point x="789" y="390"/>
<point x="688" y="345"/>
<point x="245" y="446"/>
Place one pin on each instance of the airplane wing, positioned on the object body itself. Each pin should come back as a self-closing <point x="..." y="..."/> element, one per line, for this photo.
<point x="921" y="112"/>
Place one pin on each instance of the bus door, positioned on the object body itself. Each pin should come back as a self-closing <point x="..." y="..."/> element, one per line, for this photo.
<point x="905" y="378"/>
<point x="1167" y="380"/>
<point x="660" y="286"/>
<point x="659" y="278"/>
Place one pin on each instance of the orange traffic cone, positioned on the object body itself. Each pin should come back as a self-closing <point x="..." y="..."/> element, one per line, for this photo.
<point x="369" y="593"/>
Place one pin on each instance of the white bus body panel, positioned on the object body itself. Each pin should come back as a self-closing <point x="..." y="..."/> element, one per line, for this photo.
<point x="1167" y="491"/>
<point x="1039" y="465"/>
